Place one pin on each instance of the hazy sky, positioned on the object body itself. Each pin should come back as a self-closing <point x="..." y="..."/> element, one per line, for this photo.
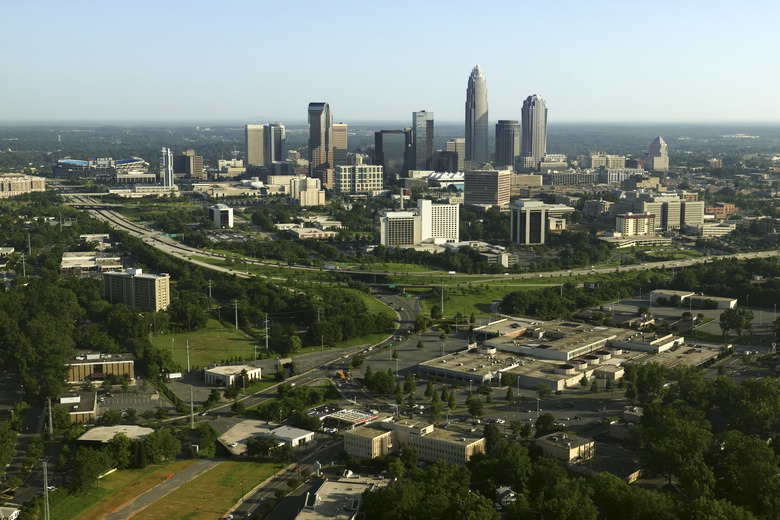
<point x="256" y="61"/>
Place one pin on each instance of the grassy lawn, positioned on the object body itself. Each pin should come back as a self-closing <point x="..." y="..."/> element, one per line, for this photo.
<point x="210" y="494"/>
<point x="114" y="490"/>
<point x="212" y="344"/>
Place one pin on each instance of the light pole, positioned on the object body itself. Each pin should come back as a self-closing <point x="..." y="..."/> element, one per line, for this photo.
<point x="322" y="342"/>
<point x="537" y="407"/>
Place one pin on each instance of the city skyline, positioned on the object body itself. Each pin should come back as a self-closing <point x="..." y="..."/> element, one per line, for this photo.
<point x="668" y="63"/>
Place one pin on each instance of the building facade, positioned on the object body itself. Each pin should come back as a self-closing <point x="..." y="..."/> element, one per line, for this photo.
<point x="358" y="178"/>
<point x="631" y="225"/>
<point x="307" y="191"/>
<point x="531" y="220"/>
<point x="187" y="164"/>
<point x="274" y="144"/>
<point x="507" y="142"/>
<point x="422" y="140"/>
<point x="458" y="147"/>
<point x="166" y="168"/>
<point x="133" y="288"/>
<point x="221" y="215"/>
<point x="490" y="187"/>
<point x="477" y="118"/>
<point x="320" y="137"/>
<point x="390" y="150"/>
<point x="13" y="184"/>
<point x="658" y="158"/>
<point x="340" y="144"/>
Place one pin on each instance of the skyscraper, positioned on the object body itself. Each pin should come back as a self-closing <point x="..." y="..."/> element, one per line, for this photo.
<point x="477" y="118"/>
<point x="422" y="140"/>
<point x="507" y="142"/>
<point x="166" y="167"/>
<point x="339" y="144"/>
<point x="320" y="137"/>
<point x="253" y="135"/>
<point x="458" y="146"/>
<point x="274" y="143"/>
<point x="658" y="158"/>
<point x="390" y="151"/>
<point x="533" y="143"/>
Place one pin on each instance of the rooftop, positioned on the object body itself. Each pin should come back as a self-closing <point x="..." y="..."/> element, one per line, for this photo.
<point x="104" y="434"/>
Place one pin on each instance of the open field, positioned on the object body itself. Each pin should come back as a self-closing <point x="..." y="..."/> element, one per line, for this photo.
<point x="212" y="344"/>
<point x="113" y="491"/>
<point x="211" y="494"/>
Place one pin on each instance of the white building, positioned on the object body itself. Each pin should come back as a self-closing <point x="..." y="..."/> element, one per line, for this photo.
<point x="289" y="435"/>
<point x="307" y="191"/>
<point x="221" y="215"/>
<point x="358" y="178"/>
<point x="428" y="223"/>
<point x="229" y="375"/>
<point x="631" y="225"/>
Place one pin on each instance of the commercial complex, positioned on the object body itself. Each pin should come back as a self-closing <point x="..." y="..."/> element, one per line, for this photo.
<point x="230" y="375"/>
<point x="476" y="118"/>
<point x="631" y="225"/>
<point x="428" y="223"/>
<point x="13" y="184"/>
<point x="486" y="187"/>
<point x="358" y="178"/>
<point x="189" y="165"/>
<point x="146" y="292"/>
<point x="422" y="141"/>
<point x="93" y="366"/>
<point x="320" y="137"/>
<point x="531" y="220"/>
<point x="307" y="191"/>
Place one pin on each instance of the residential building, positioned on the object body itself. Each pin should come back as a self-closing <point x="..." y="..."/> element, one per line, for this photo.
<point x="320" y="137"/>
<point x="458" y="147"/>
<point x="254" y="136"/>
<point x="390" y="151"/>
<point x="146" y="292"/>
<point x="630" y="225"/>
<point x="307" y="191"/>
<point x="658" y="158"/>
<point x="221" y="215"/>
<point x="533" y="142"/>
<point x="491" y="187"/>
<point x="339" y="144"/>
<point x="13" y="184"/>
<point x="476" y="118"/>
<point x="531" y="220"/>
<point x="507" y="142"/>
<point x="359" y="178"/>
<point x="422" y="140"/>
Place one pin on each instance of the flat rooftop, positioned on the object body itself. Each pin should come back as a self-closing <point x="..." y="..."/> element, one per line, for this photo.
<point x="229" y="370"/>
<point x="104" y="434"/>
<point x="341" y="498"/>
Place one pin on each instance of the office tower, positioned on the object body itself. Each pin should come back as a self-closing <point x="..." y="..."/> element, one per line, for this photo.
<point x="533" y="143"/>
<point x="477" y="118"/>
<point x="339" y="144"/>
<point x="274" y="143"/>
<point x="632" y="225"/>
<point x="189" y="165"/>
<point x="358" y="178"/>
<point x="507" y="142"/>
<point x="530" y="220"/>
<point x="422" y="144"/>
<point x="253" y="135"/>
<point x="221" y="215"/>
<point x="445" y="161"/>
<point x="145" y="292"/>
<point x="307" y="191"/>
<point x="658" y="158"/>
<point x="428" y="223"/>
<point x="166" y="167"/>
<point x="458" y="146"/>
<point x="486" y="187"/>
<point x="320" y="137"/>
<point x="390" y="147"/>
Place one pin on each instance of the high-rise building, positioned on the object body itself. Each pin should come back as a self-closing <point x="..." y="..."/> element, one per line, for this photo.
<point x="339" y="144"/>
<point x="358" y="178"/>
<point x="428" y="223"/>
<point x="166" y="167"/>
<point x="221" y="215"/>
<point x="146" y="292"/>
<point x="458" y="146"/>
<point x="274" y="143"/>
<point x="390" y="149"/>
<point x="507" y="142"/>
<point x="632" y="225"/>
<point x="253" y="135"/>
<point x="307" y="191"/>
<point x="658" y="158"/>
<point x="422" y="140"/>
<point x="189" y="165"/>
<point x="320" y="137"/>
<point x="477" y="118"/>
<point x="486" y="187"/>
<point x="533" y="142"/>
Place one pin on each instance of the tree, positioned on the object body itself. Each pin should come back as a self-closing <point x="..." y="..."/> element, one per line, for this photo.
<point x="409" y="383"/>
<point x="120" y="448"/>
<point x="436" y="312"/>
<point x="444" y="394"/>
<point x="230" y="392"/>
<point x="476" y="408"/>
<point x="429" y="390"/>
<point x="737" y="319"/>
<point x="395" y="353"/>
<point x="510" y="395"/>
<point x="88" y="465"/>
<point x="238" y="408"/>
<point x="111" y="418"/>
<point x="420" y="345"/>
<point x="435" y="411"/>
<point x="542" y="390"/>
<point x="162" y="445"/>
<point x="451" y="404"/>
<point x="594" y="387"/>
<point x="492" y="437"/>
<point x="584" y="381"/>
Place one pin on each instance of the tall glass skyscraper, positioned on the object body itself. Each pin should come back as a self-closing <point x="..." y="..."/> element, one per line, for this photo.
<point x="507" y="142"/>
<point x="422" y="140"/>
<point x="390" y="148"/>
<point x="274" y="143"/>
<point x="533" y="142"/>
<point x="320" y="137"/>
<point x="477" y="118"/>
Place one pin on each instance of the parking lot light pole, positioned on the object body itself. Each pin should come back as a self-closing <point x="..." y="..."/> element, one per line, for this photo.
<point x="537" y="407"/>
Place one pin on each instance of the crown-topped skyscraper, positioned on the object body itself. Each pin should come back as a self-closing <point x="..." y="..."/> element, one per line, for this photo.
<point x="533" y="141"/>
<point x="477" y="118"/>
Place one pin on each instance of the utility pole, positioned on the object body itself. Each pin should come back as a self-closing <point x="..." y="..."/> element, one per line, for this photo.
<point x="51" y="424"/>
<point x="24" y="267"/>
<point x="192" y="407"/>
<point x="266" y="333"/>
<point x="442" y="299"/>
<point x="209" y="293"/>
<point x="45" y="490"/>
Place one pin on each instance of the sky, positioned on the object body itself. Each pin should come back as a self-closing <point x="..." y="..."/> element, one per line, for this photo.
<point x="258" y="61"/>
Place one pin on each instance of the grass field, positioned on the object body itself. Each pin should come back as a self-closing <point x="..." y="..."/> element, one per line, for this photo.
<point x="210" y="494"/>
<point x="212" y="344"/>
<point x="113" y="491"/>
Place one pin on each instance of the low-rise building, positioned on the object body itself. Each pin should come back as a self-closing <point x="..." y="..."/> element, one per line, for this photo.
<point x="289" y="435"/>
<point x="229" y="375"/>
<point x="82" y="407"/>
<point x="89" y="263"/>
<point x="93" y="366"/>
<point x="566" y="447"/>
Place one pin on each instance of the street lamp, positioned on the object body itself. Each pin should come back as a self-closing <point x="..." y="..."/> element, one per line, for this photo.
<point x="537" y="407"/>
<point x="322" y="342"/>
